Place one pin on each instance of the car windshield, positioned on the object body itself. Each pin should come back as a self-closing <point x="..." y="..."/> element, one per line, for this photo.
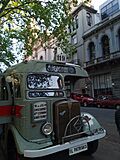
<point x="44" y="81"/>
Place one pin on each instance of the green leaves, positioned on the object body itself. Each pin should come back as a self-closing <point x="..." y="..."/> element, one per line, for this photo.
<point x="26" y="21"/>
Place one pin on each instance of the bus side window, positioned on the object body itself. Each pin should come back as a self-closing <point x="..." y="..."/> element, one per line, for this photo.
<point x="3" y="89"/>
<point x="17" y="88"/>
<point x="68" y="88"/>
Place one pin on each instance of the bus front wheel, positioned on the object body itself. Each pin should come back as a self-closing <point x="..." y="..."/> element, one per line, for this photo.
<point x="92" y="147"/>
<point x="12" y="153"/>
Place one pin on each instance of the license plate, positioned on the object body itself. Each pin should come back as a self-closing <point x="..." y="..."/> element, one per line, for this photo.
<point x="78" y="149"/>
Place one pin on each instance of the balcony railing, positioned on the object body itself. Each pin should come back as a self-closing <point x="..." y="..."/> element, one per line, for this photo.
<point x="103" y="58"/>
<point x="91" y="62"/>
<point x="109" y="57"/>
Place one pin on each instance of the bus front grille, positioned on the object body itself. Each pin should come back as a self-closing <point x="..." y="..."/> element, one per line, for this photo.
<point x="67" y="122"/>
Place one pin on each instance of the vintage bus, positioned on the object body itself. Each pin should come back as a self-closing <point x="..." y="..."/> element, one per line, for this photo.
<point x="37" y="115"/>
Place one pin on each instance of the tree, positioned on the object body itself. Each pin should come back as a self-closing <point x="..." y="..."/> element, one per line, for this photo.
<point x="23" y="22"/>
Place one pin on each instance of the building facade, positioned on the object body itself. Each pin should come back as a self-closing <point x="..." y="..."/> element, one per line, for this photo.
<point x="97" y="40"/>
<point x="102" y="51"/>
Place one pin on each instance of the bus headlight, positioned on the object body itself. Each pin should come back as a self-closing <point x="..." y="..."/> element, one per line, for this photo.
<point x="47" y="128"/>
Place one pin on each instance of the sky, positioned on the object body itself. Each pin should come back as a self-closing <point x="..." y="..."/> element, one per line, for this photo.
<point x="97" y="3"/>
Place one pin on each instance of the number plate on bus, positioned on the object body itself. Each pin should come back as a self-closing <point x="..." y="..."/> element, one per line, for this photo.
<point x="78" y="149"/>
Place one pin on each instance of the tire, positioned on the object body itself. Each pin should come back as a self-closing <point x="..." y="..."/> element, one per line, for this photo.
<point x="12" y="153"/>
<point x="92" y="147"/>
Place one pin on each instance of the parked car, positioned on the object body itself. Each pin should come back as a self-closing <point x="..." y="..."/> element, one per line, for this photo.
<point x="84" y="99"/>
<point x="107" y="101"/>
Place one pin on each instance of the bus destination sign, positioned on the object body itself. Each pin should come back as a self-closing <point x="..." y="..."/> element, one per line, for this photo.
<point x="60" y="69"/>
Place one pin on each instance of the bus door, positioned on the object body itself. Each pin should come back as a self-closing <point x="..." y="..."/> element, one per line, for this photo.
<point x="71" y="84"/>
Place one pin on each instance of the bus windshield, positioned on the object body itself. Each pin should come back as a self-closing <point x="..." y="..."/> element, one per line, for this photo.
<point x="44" y="81"/>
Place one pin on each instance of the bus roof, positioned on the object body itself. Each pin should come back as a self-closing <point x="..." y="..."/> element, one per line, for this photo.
<point x="35" y="66"/>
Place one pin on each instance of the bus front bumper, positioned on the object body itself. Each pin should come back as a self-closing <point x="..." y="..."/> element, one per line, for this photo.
<point x="61" y="147"/>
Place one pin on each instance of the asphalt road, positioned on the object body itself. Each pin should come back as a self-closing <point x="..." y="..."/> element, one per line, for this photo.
<point x="109" y="147"/>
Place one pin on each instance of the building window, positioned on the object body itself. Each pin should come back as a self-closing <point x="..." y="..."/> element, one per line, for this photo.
<point x="74" y="39"/>
<point x="119" y="38"/>
<point x="89" y="19"/>
<point x="41" y="58"/>
<point x="105" y="45"/>
<point x="74" y="26"/>
<point x="102" y="84"/>
<point x="91" y="48"/>
<point x="76" y="21"/>
<point x="109" y="9"/>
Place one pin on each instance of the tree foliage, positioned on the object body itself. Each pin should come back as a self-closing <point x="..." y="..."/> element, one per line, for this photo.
<point x="23" y="22"/>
